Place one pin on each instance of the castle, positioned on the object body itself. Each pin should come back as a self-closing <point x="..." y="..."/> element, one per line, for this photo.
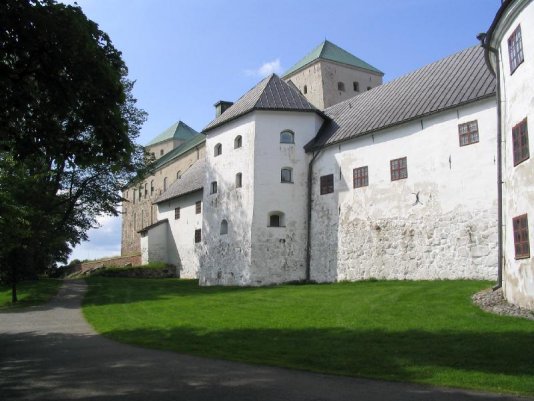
<point x="326" y="174"/>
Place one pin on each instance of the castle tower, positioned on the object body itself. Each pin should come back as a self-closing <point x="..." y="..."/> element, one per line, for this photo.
<point x="328" y="75"/>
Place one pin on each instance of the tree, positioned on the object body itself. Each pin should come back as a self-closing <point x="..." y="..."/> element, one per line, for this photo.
<point x="68" y="125"/>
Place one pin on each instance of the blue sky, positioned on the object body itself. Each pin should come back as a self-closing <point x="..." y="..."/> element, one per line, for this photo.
<point x="187" y="55"/>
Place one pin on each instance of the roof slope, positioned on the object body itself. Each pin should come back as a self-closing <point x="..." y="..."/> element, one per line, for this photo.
<point x="329" y="51"/>
<point x="270" y="94"/>
<point x="192" y="180"/>
<point x="179" y="150"/>
<point x="179" y="130"/>
<point x="455" y="80"/>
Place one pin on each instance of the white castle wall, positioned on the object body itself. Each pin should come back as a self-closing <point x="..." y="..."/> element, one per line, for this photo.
<point x="381" y="231"/>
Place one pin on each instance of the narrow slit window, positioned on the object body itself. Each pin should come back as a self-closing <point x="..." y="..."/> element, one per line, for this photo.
<point x="276" y="219"/>
<point x="176" y="213"/>
<point x="224" y="227"/>
<point x="341" y="86"/>
<point x="515" y="49"/>
<point x="238" y="180"/>
<point x="238" y="141"/>
<point x="305" y="89"/>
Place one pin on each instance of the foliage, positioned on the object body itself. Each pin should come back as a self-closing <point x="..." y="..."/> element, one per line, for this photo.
<point x="150" y="270"/>
<point x="426" y="332"/>
<point x="32" y="292"/>
<point x="68" y="122"/>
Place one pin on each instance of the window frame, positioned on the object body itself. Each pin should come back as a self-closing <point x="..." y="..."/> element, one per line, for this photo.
<point x="288" y="169"/>
<point x="516" y="55"/>
<point x="292" y="136"/>
<point x="198" y="235"/>
<point x="356" y="86"/>
<point x="471" y="136"/>
<point x="198" y="207"/>
<point x="239" y="180"/>
<point x="213" y="187"/>
<point x="521" y="237"/>
<point x="326" y="184"/>
<point x="223" y="230"/>
<point x="177" y="213"/>
<point x="399" y="169"/>
<point x="341" y="86"/>
<point x="217" y="150"/>
<point x="360" y="177"/>
<point x="520" y="131"/>
<point x="280" y="216"/>
<point x="238" y="142"/>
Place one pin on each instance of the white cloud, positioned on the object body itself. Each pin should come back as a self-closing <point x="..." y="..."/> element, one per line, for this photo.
<point x="103" y="241"/>
<point x="266" y="69"/>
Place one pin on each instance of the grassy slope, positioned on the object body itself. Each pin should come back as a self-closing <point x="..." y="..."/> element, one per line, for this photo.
<point x="427" y="332"/>
<point x="30" y="292"/>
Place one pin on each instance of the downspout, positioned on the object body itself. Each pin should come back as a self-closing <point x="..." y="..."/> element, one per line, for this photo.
<point x="497" y="73"/>
<point x="309" y="206"/>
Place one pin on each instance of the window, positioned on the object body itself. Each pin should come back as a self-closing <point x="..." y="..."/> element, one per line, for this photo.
<point x="165" y="184"/>
<point x="146" y="190"/>
<point x="286" y="175"/>
<point x="224" y="227"/>
<point x="198" y="235"/>
<point x="399" y="169"/>
<point x="520" y="142"/>
<point x="179" y="174"/>
<point x="360" y="177"/>
<point x="515" y="49"/>
<point x="238" y="142"/>
<point x="134" y="221"/>
<point x="238" y="180"/>
<point x="161" y="152"/>
<point x="198" y="207"/>
<point x="217" y="150"/>
<point x="369" y="88"/>
<point x="521" y="242"/>
<point x="356" y="86"/>
<point x="176" y="213"/>
<point x="287" y="137"/>
<point x="341" y="86"/>
<point x="214" y="187"/>
<point x="468" y="133"/>
<point x="305" y="89"/>
<point x="140" y="192"/>
<point x="327" y="184"/>
<point x="151" y="187"/>
<point x="276" y="219"/>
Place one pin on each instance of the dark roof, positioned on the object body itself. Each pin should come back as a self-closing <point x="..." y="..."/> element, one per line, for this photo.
<point x="179" y="151"/>
<point x="453" y="81"/>
<point x="179" y="130"/>
<point x="270" y="94"/>
<point x="191" y="180"/>
<point x="329" y="51"/>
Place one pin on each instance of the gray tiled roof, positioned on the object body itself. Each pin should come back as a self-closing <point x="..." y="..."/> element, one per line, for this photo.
<point x="192" y="180"/>
<point x="270" y="94"/>
<point x="455" y="80"/>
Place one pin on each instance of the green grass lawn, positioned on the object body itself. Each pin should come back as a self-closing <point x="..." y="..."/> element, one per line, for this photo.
<point x="425" y="332"/>
<point x="30" y="292"/>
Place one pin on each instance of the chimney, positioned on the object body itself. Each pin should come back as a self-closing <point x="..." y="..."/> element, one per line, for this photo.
<point x="221" y="106"/>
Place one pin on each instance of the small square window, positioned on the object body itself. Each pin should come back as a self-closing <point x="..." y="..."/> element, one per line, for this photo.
<point x="515" y="49"/>
<point x="176" y="213"/>
<point x="520" y="142"/>
<point x="198" y="207"/>
<point x="360" y="177"/>
<point x="399" y="169"/>
<point x="327" y="184"/>
<point x="468" y="133"/>
<point x="286" y="175"/>
<point x="198" y="236"/>
<point x="274" y="220"/>
<point x="521" y="241"/>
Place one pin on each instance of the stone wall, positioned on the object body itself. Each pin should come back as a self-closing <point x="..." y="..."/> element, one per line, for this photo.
<point x="119" y="261"/>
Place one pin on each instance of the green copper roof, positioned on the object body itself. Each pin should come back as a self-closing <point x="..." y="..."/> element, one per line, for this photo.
<point x="178" y="151"/>
<point x="329" y="51"/>
<point x="178" y="130"/>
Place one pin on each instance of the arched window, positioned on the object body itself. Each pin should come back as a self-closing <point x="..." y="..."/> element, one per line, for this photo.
<point x="341" y="86"/>
<point x="217" y="150"/>
<point x="287" y="137"/>
<point x="224" y="227"/>
<point x="286" y="174"/>
<point x="276" y="219"/>
<point x="165" y="184"/>
<point x="305" y="89"/>
<point x="151" y="187"/>
<point x="238" y="180"/>
<point x="238" y="142"/>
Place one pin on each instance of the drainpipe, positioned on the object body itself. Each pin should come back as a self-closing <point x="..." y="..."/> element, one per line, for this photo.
<point x="309" y="206"/>
<point x="497" y="73"/>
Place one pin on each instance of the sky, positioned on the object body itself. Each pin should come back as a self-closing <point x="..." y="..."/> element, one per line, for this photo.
<point x="187" y="55"/>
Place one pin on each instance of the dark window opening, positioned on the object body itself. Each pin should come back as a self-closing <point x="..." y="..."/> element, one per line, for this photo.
<point x="176" y="213"/>
<point x="360" y="177"/>
<point x="224" y="227"/>
<point x="238" y="142"/>
<point x="198" y="235"/>
<point x="327" y="184"/>
<point x="356" y="86"/>
<point x="217" y="150"/>
<point x="238" y="180"/>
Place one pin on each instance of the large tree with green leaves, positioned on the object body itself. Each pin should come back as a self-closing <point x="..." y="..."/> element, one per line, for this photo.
<point x="68" y="124"/>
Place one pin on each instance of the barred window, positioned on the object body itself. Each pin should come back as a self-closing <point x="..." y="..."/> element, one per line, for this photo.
<point x="520" y="142"/>
<point x="224" y="227"/>
<point x="360" y="177"/>
<point x="515" y="49"/>
<point x="521" y="241"/>
<point x="399" y="169"/>
<point x="468" y="133"/>
<point x="327" y="184"/>
<point x="356" y="86"/>
<point x="341" y="86"/>
<point x="198" y="207"/>
<point x="176" y="213"/>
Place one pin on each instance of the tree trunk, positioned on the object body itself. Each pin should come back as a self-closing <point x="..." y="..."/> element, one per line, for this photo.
<point x="14" y="285"/>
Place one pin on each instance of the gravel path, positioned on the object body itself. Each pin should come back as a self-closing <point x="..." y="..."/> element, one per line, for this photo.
<point x="51" y="353"/>
<point x="494" y="302"/>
